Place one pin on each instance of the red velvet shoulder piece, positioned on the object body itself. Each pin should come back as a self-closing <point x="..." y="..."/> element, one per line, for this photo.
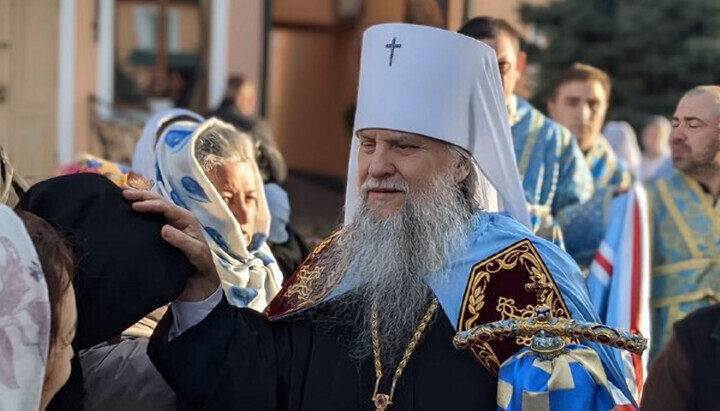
<point x="306" y="287"/>
<point x="505" y="286"/>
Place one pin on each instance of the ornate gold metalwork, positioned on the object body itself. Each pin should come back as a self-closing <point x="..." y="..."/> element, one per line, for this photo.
<point x="521" y="254"/>
<point x="548" y="334"/>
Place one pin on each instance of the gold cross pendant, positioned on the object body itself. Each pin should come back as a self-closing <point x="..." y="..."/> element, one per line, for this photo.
<point x="381" y="401"/>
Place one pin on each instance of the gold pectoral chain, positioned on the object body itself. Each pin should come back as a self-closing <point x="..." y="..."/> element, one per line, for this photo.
<point x="383" y="401"/>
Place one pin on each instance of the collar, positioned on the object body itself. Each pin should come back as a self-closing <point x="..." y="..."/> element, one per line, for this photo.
<point x="706" y="190"/>
<point x="512" y="108"/>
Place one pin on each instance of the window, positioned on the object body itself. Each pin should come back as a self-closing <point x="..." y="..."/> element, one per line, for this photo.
<point x="157" y="52"/>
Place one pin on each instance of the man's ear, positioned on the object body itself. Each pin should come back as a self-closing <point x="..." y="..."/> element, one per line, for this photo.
<point x="462" y="171"/>
<point x="521" y="63"/>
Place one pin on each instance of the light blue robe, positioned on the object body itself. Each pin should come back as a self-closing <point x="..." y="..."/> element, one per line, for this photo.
<point x="552" y="168"/>
<point x="493" y="232"/>
<point x="584" y="224"/>
<point x="685" y="244"/>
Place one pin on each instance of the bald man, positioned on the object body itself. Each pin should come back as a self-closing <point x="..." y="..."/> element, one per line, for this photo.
<point x="685" y="216"/>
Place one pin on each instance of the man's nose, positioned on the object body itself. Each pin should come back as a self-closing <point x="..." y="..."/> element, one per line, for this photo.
<point x="381" y="164"/>
<point x="677" y="135"/>
<point x="586" y="112"/>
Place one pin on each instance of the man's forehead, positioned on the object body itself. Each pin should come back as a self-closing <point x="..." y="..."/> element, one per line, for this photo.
<point x="394" y="135"/>
<point x="581" y="88"/>
<point x="702" y="105"/>
<point x="503" y="44"/>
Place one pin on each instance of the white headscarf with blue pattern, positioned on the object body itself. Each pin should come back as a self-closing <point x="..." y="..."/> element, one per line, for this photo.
<point x="249" y="273"/>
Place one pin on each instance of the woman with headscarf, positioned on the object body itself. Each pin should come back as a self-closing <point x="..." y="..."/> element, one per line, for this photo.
<point x="208" y="168"/>
<point x="191" y="159"/>
<point x="656" y="149"/>
<point x="37" y="312"/>
<point x="124" y="271"/>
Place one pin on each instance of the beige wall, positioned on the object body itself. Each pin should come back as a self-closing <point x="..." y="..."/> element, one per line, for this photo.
<point x="313" y="81"/>
<point x="85" y="72"/>
<point x="28" y="72"/>
<point x="245" y="40"/>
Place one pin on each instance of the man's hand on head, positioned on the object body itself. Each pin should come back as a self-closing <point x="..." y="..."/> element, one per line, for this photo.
<point x="184" y="232"/>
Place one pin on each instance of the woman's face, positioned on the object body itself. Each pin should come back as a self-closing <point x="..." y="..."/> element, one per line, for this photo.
<point x="58" y="366"/>
<point x="236" y="183"/>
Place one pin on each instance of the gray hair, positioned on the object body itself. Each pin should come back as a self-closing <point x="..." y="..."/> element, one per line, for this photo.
<point x="468" y="187"/>
<point x="220" y="144"/>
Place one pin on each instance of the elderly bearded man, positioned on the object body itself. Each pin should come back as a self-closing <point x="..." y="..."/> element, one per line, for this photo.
<point x="368" y="321"/>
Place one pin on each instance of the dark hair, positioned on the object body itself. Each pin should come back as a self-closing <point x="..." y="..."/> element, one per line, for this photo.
<point x="485" y="27"/>
<point x="585" y="73"/>
<point x="56" y="260"/>
<point x="234" y="84"/>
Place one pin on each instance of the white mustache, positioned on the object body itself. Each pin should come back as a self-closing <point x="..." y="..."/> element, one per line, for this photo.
<point x="374" y="184"/>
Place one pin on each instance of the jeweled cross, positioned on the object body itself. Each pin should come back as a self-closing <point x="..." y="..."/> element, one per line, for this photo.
<point x="392" y="46"/>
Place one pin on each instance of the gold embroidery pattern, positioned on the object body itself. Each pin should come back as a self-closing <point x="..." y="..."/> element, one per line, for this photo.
<point x="309" y="287"/>
<point x="521" y="255"/>
<point x="508" y="311"/>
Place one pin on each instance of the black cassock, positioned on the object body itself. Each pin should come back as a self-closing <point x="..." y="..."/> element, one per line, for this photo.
<point x="236" y="359"/>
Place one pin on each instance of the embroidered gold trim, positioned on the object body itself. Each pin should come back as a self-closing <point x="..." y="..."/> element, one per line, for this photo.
<point x="712" y="295"/>
<point x="310" y="286"/>
<point x="602" y="147"/>
<point x="684" y="265"/>
<point x="540" y="281"/>
<point x="677" y="217"/>
<point x="536" y="124"/>
<point x="706" y="206"/>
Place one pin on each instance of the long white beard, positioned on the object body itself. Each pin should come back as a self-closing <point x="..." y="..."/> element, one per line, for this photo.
<point x="389" y="261"/>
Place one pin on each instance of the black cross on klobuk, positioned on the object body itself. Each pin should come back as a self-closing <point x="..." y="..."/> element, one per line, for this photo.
<point x="392" y="46"/>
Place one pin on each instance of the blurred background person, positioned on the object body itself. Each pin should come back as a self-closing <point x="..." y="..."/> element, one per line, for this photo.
<point x="623" y="140"/>
<point x="656" y="160"/>
<point x="551" y="165"/>
<point x="238" y="109"/>
<point x="579" y="101"/>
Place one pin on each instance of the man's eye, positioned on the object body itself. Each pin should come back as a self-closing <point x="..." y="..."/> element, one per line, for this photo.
<point x="675" y="123"/>
<point x="694" y="124"/>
